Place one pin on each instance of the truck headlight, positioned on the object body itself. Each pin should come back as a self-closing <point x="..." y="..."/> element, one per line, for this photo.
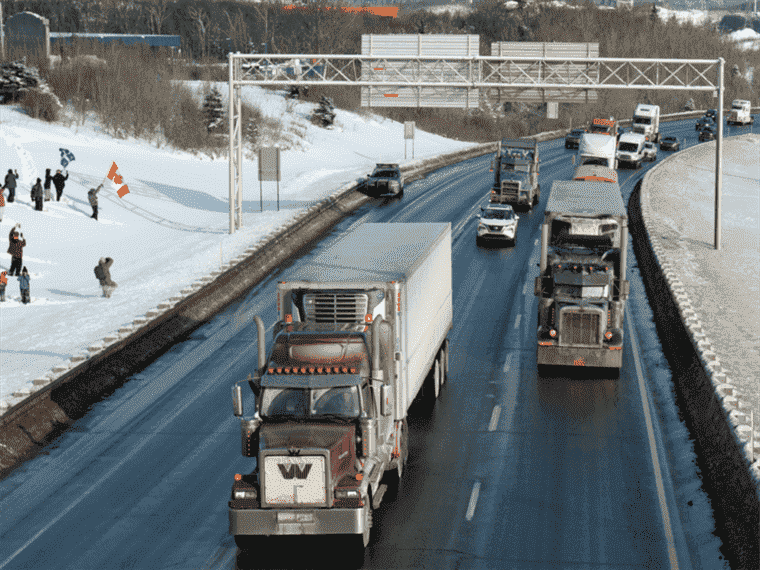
<point x="347" y="494"/>
<point x="244" y="494"/>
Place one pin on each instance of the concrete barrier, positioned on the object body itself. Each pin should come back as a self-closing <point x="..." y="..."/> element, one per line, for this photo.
<point x="712" y="407"/>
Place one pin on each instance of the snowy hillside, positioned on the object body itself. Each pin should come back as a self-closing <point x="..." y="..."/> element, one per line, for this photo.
<point x="169" y="230"/>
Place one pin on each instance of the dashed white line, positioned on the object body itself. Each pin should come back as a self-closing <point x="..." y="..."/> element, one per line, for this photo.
<point x="494" y="418"/>
<point x="525" y="288"/>
<point x="517" y="321"/>
<point x="473" y="501"/>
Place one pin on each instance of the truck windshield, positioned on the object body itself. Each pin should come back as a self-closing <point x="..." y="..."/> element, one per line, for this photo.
<point x="385" y="174"/>
<point x="642" y="120"/>
<point x="600" y="129"/>
<point x="599" y="161"/>
<point x="498" y="215"/>
<point x="577" y="291"/>
<point x="303" y="404"/>
<point x="629" y="147"/>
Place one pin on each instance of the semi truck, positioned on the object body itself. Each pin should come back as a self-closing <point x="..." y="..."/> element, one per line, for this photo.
<point x="515" y="168"/>
<point x="607" y="127"/>
<point x="582" y="286"/>
<point x="646" y="121"/>
<point x="741" y="113"/>
<point x="361" y="333"/>
<point x="596" y="149"/>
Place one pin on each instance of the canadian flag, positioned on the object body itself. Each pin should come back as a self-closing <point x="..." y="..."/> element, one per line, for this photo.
<point x="114" y="176"/>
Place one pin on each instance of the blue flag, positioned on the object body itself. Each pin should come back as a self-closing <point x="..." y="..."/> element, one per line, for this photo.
<point x="66" y="157"/>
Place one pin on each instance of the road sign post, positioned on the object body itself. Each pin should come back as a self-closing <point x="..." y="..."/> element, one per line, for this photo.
<point x="269" y="171"/>
<point x="408" y="134"/>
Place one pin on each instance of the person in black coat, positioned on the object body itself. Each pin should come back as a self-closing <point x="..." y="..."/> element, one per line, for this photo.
<point x="48" y="180"/>
<point x="59" y="182"/>
<point x="16" y="249"/>
<point x="92" y="196"/>
<point x="10" y="184"/>
<point x="37" y="195"/>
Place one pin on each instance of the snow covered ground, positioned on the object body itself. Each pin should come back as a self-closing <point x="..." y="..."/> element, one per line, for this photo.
<point x="749" y="39"/>
<point x="169" y="230"/>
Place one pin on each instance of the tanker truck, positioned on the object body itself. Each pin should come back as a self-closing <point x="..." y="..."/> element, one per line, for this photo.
<point x="361" y="333"/>
<point x="582" y="287"/>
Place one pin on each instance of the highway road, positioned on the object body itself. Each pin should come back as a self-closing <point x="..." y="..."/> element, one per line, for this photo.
<point x="510" y="470"/>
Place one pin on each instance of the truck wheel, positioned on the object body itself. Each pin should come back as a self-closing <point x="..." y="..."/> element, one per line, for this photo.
<point x="445" y="361"/>
<point x="436" y="378"/>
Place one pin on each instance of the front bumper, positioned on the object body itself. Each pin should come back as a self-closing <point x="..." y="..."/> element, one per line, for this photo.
<point x="269" y="522"/>
<point x="602" y="357"/>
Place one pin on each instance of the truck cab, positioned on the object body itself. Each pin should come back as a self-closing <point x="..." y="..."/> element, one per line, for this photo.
<point x="646" y="121"/>
<point x="631" y="149"/>
<point x="597" y="149"/>
<point x="741" y="113"/>
<point x="607" y="127"/>
<point x="516" y="168"/>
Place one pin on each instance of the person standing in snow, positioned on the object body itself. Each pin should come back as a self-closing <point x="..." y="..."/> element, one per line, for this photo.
<point x="10" y="184"/>
<point x="93" y="197"/>
<point x="37" y="195"/>
<point x="3" y="284"/>
<point x="23" y="283"/>
<point x="48" y="180"/>
<point x="103" y="273"/>
<point x="16" y="249"/>
<point x="59" y="182"/>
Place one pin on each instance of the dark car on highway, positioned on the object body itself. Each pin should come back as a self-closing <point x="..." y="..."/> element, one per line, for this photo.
<point x="707" y="134"/>
<point x="704" y="122"/>
<point x="386" y="180"/>
<point x="670" y="143"/>
<point x="573" y="138"/>
<point x="712" y="113"/>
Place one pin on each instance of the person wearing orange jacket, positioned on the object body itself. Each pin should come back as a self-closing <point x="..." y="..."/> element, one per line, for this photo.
<point x="3" y="284"/>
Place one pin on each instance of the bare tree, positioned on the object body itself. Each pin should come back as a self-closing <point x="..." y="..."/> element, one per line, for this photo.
<point x="237" y="29"/>
<point x="202" y="21"/>
<point x="157" y="12"/>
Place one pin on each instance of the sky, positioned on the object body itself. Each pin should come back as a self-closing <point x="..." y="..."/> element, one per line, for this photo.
<point x="171" y="229"/>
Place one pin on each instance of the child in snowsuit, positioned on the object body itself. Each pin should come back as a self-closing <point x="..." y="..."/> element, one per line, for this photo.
<point x="10" y="184"/>
<point x="16" y="249"/>
<point x="93" y="197"/>
<point x="3" y="284"/>
<point x="48" y="180"/>
<point x="103" y="273"/>
<point x="58" y="182"/>
<point x="37" y="195"/>
<point x="23" y="283"/>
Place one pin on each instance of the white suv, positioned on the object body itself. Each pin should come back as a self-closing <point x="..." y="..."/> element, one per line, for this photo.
<point x="497" y="222"/>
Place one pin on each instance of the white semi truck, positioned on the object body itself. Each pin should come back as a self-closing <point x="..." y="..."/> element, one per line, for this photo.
<point x="741" y="113"/>
<point x="362" y="330"/>
<point x="646" y="121"/>
<point x="597" y="149"/>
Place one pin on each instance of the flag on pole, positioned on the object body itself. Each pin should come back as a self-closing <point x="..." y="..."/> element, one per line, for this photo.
<point x="66" y="157"/>
<point x="114" y="176"/>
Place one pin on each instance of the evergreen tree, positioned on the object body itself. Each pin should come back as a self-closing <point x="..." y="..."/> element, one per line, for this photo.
<point x="213" y="110"/>
<point x="324" y="114"/>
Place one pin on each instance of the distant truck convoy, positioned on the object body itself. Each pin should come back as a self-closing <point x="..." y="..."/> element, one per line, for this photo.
<point x="741" y="113"/>
<point x="597" y="149"/>
<point x="646" y="121"/>
<point x="515" y="168"/>
<point x="582" y="287"/>
<point x="362" y="328"/>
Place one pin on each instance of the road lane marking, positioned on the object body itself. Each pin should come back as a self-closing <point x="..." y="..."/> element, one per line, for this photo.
<point x="494" y="418"/>
<point x="174" y="371"/>
<point x="653" y="452"/>
<point x="473" y="501"/>
<point x="517" y="321"/>
<point x="525" y="288"/>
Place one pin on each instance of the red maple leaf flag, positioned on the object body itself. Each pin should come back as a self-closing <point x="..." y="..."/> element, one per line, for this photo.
<point x="114" y="176"/>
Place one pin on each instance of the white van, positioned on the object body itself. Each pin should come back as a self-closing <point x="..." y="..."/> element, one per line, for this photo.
<point x="631" y="149"/>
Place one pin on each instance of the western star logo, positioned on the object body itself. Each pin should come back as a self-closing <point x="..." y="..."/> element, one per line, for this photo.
<point x="293" y="470"/>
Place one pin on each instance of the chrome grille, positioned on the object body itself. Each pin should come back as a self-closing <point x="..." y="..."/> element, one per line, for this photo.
<point x="579" y="327"/>
<point x="335" y="307"/>
<point x="510" y="187"/>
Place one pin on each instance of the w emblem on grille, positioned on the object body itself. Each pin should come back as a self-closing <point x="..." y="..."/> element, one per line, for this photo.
<point x="291" y="471"/>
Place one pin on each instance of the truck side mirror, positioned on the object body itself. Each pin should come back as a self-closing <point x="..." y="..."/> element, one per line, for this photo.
<point x="237" y="400"/>
<point x="386" y="393"/>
